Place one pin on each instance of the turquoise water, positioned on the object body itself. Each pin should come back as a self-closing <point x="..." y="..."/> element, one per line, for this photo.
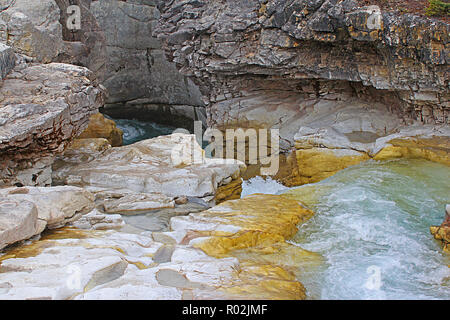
<point x="372" y="227"/>
<point x="135" y="130"/>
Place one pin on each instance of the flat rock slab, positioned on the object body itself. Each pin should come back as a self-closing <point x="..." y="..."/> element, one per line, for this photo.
<point x="150" y="174"/>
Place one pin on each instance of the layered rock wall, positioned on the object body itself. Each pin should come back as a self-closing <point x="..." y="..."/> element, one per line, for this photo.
<point x="42" y="109"/>
<point x="340" y="82"/>
<point x="234" y="49"/>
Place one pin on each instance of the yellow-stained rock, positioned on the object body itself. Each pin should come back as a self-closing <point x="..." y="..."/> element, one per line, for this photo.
<point x="254" y="230"/>
<point x="231" y="191"/>
<point x="442" y="233"/>
<point x="100" y="127"/>
<point x="90" y="145"/>
<point x="288" y="172"/>
<point x="317" y="164"/>
<point x="260" y="219"/>
<point x="436" y="149"/>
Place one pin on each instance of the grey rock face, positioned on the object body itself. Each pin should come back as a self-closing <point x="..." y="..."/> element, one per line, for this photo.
<point x="32" y="28"/>
<point x="245" y="53"/>
<point x="137" y="71"/>
<point x="114" y="41"/>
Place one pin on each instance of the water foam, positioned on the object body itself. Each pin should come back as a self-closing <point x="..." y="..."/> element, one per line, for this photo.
<point x="371" y="218"/>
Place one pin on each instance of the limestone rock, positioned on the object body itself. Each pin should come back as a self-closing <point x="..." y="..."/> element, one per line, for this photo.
<point x="328" y="75"/>
<point x="94" y="264"/>
<point x="138" y="202"/>
<point x="137" y="70"/>
<point x="42" y="109"/>
<point x="100" y="127"/>
<point x="82" y="150"/>
<point x="56" y="206"/>
<point x="242" y="53"/>
<point x="18" y="221"/>
<point x="332" y="138"/>
<point x="96" y="220"/>
<point x="318" y="164"/>
<point x="150" y="174"/>
<point x="7" y="60"/>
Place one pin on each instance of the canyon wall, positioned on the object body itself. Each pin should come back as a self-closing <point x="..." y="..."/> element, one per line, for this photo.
<point x="339" y="81"/>
<point x="293" y="51"/>
<point x="118" y="42"/>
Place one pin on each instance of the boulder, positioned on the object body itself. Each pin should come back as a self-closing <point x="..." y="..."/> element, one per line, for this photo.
<point x="101" y="127"/>
<point x="56" y="206"/>
<point x="18" y="220"/>
<point x="442" y="232"/>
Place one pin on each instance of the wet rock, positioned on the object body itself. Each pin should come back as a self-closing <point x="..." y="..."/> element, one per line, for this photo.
<point x="442" y="232"/>
<point x="327" y="75"/>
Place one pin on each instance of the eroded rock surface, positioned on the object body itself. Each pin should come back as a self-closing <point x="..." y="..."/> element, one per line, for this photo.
<point x="318" y="71"/>
<point x="101" y="127"/>
<point x="239" y="51"/>
<point x="28" y="211"/>
<point x="150" y="174"/>
<point x="229" y="252"/>
<point x="42" y="109"/>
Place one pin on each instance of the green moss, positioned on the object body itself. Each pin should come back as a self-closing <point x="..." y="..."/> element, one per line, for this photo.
<point x="437" y="8"/>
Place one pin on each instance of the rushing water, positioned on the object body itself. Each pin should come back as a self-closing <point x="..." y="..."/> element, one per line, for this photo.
<point x="372" y="227"/>
<point x="135" y="130"/>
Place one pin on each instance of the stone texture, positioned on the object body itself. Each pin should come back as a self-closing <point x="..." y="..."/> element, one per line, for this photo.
<point x="26" y="212"/>
<point x="238" y="49"/>
<point x="43" y="108"/>
<point x="96" y="220"/>
<point x="85" y="46"/>
<point x="32" y="28"/>
<point x="137" y="72"/>
<point x="327" y="74"/>
<point x="150" y="174"/>
<point x="7" y="60"/>
<point x="18" y="221"/>
<point x="56" y="206"/>
<point x="91" y="264"/>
